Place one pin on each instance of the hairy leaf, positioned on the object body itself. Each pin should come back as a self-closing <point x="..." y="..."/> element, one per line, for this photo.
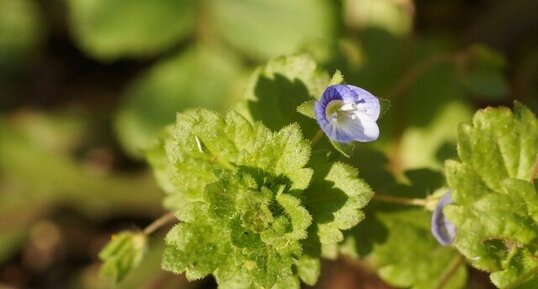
<point x="335" y="197"/>
<point x="202" y="142"/>
<point x="246" y="231"/>
<point x="495" y="210"/>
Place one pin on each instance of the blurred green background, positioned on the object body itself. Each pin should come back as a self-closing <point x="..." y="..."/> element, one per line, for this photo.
<point x="86" y="84"/>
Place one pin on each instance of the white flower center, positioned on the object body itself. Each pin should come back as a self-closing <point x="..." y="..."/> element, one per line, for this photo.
<point x="337" y="111"/>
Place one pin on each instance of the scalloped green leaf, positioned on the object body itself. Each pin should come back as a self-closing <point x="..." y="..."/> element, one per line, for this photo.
<point x="202" y="142"/>
<point x="245" y="226"/>
<point x="495" y="200"/>
<point x="335" y="197"/>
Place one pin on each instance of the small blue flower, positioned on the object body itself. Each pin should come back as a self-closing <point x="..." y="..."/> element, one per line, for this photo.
<point x="348" y="113"/>
<point x="442" y="229"/>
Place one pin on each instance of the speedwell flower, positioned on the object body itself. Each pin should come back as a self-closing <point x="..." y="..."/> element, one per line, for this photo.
<point x="442" y="229"/>
<point x="348" y="113"/>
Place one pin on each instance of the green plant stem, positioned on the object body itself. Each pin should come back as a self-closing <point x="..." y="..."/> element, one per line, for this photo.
<point x="316" y="138"/>
<point x="158" y="223"/>
<point x="399" y="200"/>
<point x="451" y="270"/>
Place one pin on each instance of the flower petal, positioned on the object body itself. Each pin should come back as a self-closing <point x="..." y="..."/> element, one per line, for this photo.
<point x="442" y="229"/>
<point x="364" y="101"/>
<point x="361" y="128"/>
<point x="321" y="117"/>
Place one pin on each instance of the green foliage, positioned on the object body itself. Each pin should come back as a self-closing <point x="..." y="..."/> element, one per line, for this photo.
<point x="112" y="29"/>
<point x="335" y="197"/>
<point x="170" y="86"/>
<point x="481" y="73"/>
<point x="277" y="90"/>
<point x="395" y="238"/>
<point x="122" y="255"/>
<point x="123" y="28"/>
<point x="271" y="28"/>
<point x="248" y="203"/>
<point x="20" y="31"/>
<point x="202" y="142"/>
<point x="495" y="208"/>
<point x="385" y="14"/>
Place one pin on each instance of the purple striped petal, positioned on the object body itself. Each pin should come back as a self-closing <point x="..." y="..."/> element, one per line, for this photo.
<point x="442" y="229"/>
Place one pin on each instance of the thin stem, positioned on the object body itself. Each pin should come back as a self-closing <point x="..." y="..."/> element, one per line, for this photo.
<point x="316" y="138"/>
<point x="161" y="221"/>
<point x="399" y="200"/>
<point x="451" y="270"/>
<point x="534" y="173"/>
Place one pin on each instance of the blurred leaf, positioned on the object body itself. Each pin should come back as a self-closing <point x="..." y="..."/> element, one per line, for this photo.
<point x="111" y="29"/>
<point x="198" y="77"/>
<point x="265" y="29"/>
<point x="21" y="31"/>
<point x="495" y="202"/>
<point x="38" y="171"/>
<point x="420" y="145"/>
<point x="481" y="73"/>
<point x="393" y="16"/>
<point x="122" y="255"/>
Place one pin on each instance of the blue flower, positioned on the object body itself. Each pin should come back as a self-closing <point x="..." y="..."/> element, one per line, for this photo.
<point x="348" y="113"/>
<point x="442" y="229"/>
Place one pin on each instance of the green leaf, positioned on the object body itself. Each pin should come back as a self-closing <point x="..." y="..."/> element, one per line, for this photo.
<point x="198" y="77"/>
<point x="244" y="197"/>
<point x="122" y="255"/>
<point x="337" y="78"/>
<point x="201" y="143"/>
<point x="275" y="91"/>
<point x="307" y="109"/>
<point x="431" y="139"/>
<point x="395" y="239"/>
<point x="388" y="15"/>
<point x="246" y="232"/>
<point x="335" y="197"/>
<point x="346" y="149"/>
<point x="21" y="31"/>
<point x="111" y="29"/>
<point x="495" y="208"/>
<point x="481" y="73"/>
<point x="266" y="29"/>
<point x="399" y="244"/>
